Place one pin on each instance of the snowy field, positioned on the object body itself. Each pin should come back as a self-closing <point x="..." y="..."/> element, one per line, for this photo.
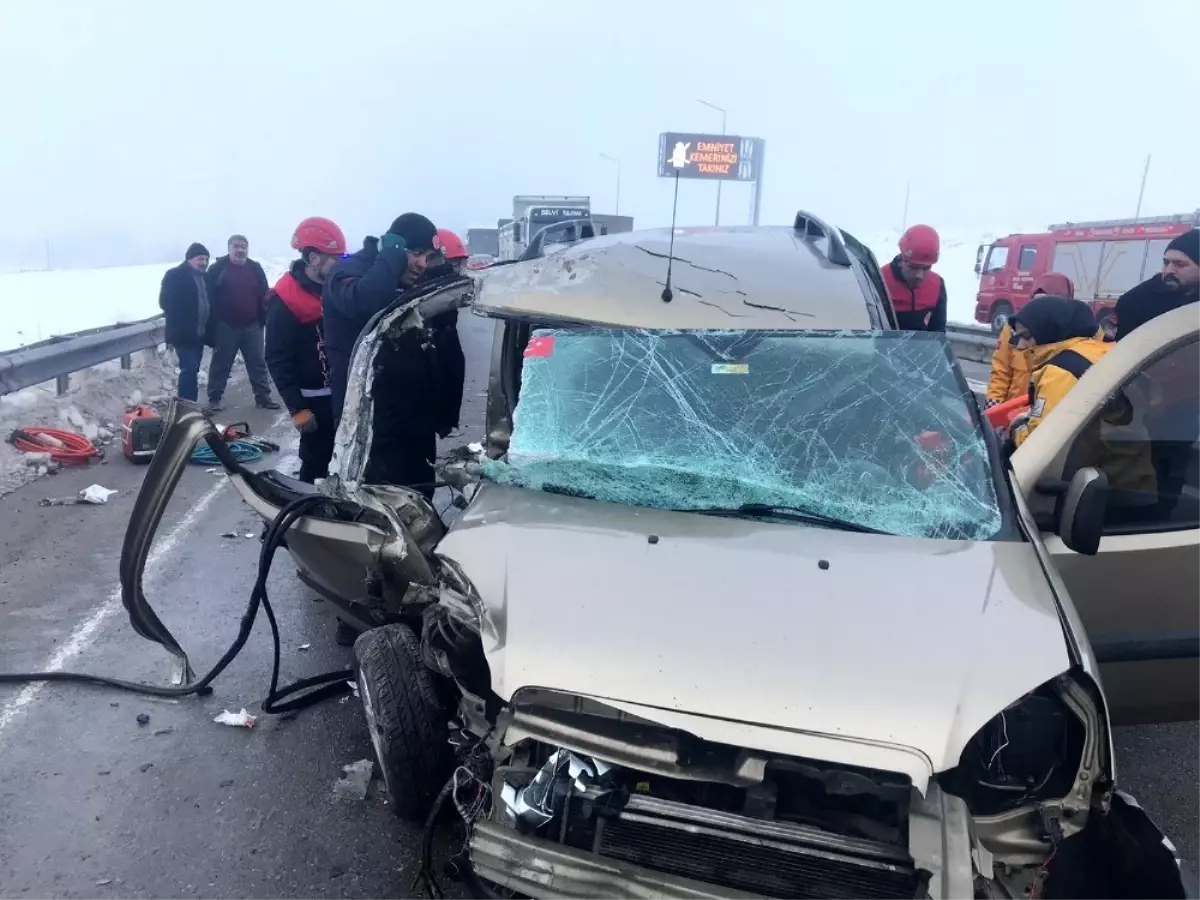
<point x="38" y="305"/>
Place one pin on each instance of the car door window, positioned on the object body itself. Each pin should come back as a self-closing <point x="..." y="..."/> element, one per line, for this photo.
<point x="1145" y="441"/>
<point x="1027" y="259"/>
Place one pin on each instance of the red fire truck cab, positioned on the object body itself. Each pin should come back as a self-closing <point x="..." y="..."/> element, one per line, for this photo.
<point x="1103" y="259"/>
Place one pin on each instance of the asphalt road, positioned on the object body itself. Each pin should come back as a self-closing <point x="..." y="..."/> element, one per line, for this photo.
<point x="92" y="803"/>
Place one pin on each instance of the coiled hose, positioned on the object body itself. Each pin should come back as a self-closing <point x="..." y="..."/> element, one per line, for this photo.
<point x="65" y="447"/>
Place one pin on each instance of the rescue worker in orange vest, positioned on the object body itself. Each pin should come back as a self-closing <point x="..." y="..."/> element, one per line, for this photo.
<point x="917" y="293"/>
<point x="1010" y="366"/>
<point x="295" y="343"/>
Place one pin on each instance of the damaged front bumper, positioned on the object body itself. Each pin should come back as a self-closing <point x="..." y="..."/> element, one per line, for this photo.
<point x="540" y="868"/>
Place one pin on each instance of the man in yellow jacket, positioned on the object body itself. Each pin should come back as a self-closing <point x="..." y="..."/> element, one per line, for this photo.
<point x="1010" y="366"/>
<point x="1059" y="335"/>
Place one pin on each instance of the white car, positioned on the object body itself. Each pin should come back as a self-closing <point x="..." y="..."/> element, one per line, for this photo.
<point x="745" y="601"/>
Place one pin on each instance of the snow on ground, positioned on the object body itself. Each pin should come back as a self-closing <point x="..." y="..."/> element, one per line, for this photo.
<point x="38" y="305"/>
<point x="41" y="304"/>
<point x="92" y="406"/>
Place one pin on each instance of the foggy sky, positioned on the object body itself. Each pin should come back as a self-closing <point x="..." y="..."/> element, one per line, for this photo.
<point x="170" y="122"/>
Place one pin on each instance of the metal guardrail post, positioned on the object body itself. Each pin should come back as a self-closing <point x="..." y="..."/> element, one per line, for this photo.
<point x="62" y="383"/>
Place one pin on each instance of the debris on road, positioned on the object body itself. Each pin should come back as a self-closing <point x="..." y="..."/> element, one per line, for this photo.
<point x="241" y="719"/>
<point x="228" y="534"/>
<point x="161" y="731"/>
<point x="355" y="780"/>
<point x="104" y="882"/>
<point x="93" y="494"/>
<point x="143" y="718"/>
<point x="304" y="647"/>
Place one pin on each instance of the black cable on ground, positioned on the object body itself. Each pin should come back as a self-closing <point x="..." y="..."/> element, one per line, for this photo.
<point x="318" y="687"/>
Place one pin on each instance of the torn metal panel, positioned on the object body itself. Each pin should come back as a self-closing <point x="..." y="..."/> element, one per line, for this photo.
<point x="869" y="429"/>
<point x="352" y="444"/>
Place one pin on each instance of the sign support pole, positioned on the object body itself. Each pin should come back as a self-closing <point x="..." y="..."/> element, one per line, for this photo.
<point x="758" y="180"/>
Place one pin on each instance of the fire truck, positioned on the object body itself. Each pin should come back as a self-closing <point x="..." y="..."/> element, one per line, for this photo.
<point x="1104" y="259"/>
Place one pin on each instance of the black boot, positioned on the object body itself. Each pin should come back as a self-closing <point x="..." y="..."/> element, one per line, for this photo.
<point x="346" y="634"/>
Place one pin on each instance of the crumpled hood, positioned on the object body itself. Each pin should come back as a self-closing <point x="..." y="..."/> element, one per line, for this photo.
<point x="897" y="641"/>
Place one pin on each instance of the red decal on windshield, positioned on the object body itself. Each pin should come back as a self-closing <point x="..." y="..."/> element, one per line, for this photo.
<point x="540" y="347"/>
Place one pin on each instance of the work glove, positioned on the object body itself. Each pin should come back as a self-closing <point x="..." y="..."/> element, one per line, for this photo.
<point x="305" y="421"/>
<point x="393" y="242"/>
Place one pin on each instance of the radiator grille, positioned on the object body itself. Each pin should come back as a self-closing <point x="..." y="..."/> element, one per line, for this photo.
<point x="766" y="867"/>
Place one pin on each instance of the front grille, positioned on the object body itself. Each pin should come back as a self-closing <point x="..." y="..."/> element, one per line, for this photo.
<point x="772" y="867"/>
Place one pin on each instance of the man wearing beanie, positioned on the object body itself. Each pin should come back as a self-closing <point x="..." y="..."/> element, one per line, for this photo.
<point x="184" y="300"/>
<point x="917" y="293"/>
<point x="364" y="283"/>
<point x="1178" y="284"/>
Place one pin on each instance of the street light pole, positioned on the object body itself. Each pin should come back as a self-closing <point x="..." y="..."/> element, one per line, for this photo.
<point x="723" y="115"/>
<point x="617" y="210"/>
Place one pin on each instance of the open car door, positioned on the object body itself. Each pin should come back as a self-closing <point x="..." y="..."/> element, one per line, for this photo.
<point x="1135" y="416"/>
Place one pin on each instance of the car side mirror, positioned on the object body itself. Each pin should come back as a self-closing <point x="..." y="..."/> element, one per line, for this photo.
<point x="978" y="268"/>
<point x="1081" y="520"/>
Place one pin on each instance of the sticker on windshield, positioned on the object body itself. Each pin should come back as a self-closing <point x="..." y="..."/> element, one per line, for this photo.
<point x="731" y="368"/>
<point x="540" y="346"/>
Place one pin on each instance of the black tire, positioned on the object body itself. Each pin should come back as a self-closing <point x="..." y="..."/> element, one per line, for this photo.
<point x="407" y="721"/>
<point x="999" y="315"/>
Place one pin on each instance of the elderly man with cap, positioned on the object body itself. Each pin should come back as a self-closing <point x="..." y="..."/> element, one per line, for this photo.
<point x="184" y="300"/>
<point x="917" y="293"/>
<point x="1178" y="284"/>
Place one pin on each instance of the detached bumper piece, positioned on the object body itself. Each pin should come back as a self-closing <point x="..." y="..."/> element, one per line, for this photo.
<point x="666" y="849"/>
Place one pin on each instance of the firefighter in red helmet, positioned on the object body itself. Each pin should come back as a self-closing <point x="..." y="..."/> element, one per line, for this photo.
<point x="296" y="345"/>
<point x="917" y="293"/>
<point x="451" y="255"/>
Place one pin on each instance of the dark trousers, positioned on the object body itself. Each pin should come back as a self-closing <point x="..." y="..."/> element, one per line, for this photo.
<point x="229" y="342"/>
<point x="316" y="447"/>
<point x="403" y="459"/>
<point x="189" y="368"/>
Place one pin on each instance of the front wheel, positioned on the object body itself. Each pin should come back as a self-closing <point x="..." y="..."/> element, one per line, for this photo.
<point x="1000" y="316"/>
<point x="407" y="721"/>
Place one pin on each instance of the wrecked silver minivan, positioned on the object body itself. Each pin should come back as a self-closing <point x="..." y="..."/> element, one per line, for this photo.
<point x="742" y="602"/>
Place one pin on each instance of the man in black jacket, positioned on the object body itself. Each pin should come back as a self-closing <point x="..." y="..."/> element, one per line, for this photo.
<point x="184" y="299"/>
<point x="295" y="346"/>
<point x="238" y="287"/>
<point x="366" y="282"/>
<point x="1178" y="284"/>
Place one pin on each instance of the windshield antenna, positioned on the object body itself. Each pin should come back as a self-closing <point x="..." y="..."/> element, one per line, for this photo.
<point x="667" y="296"/>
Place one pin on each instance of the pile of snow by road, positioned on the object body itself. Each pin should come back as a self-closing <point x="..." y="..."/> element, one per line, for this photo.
<point x="41" y="304"/>
<point x="92" y="406"/>
<point x="38" y="305"/>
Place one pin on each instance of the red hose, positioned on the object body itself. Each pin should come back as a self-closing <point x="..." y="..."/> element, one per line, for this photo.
<point x="65" y="447"/>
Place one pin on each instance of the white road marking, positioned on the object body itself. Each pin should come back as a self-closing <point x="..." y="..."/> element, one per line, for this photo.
<point x="83" y="635"/>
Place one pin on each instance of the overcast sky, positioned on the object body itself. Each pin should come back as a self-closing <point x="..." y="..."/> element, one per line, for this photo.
<point x="187" y="121"/>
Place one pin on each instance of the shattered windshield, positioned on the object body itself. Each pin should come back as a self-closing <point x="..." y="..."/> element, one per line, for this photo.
<point x="868" y="428"/>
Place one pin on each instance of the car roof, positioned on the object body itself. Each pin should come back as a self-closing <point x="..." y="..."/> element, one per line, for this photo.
<point x="722" y="278"/>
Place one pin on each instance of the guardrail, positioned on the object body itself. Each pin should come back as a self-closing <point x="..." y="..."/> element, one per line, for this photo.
<point x="56" y="358"/>
<point x="974" y="343"/>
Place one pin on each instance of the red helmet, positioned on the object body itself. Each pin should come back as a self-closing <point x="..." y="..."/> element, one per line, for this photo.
<point x="920" y="245"/>
<point x="1053" y="283"/>
<point x="450" y="244"/>
<point x="319" y="233"/>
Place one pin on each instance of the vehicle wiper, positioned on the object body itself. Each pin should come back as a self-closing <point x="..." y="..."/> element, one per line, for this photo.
<point x="792" y="513"/>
